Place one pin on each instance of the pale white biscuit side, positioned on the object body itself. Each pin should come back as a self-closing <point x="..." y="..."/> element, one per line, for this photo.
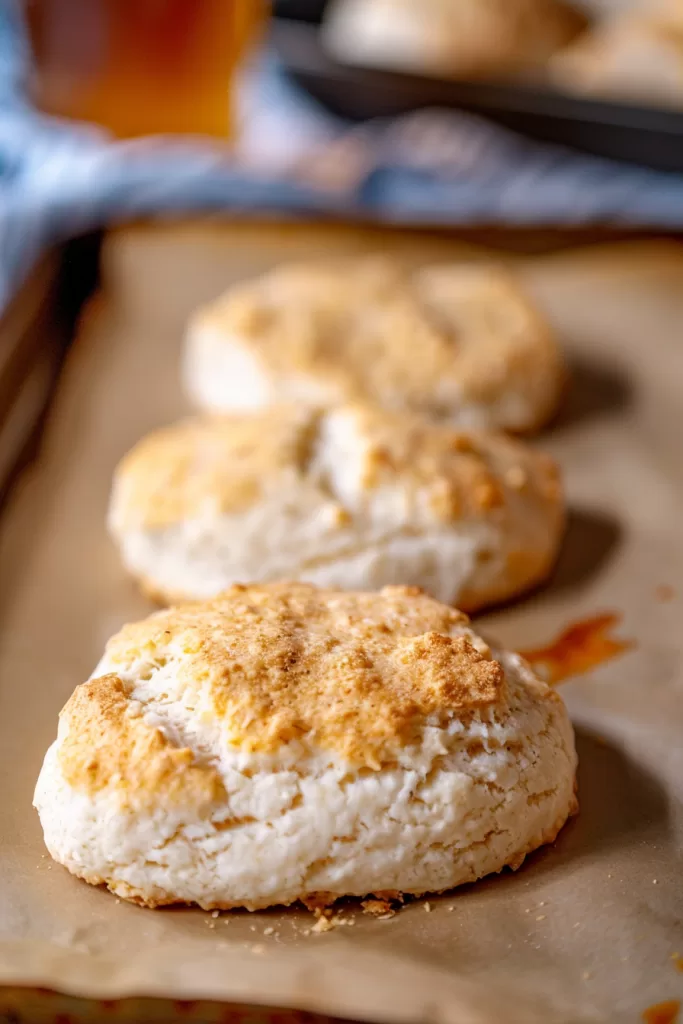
<point x="222" y="374"/>
<point x="200" y="559"/>
<point x="219" y="373"/>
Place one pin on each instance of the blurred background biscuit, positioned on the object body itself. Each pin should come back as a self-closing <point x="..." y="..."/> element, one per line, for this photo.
<point x="449" y="37"/>
<point x="633" y="57"/>
<point x="458" y="343"/>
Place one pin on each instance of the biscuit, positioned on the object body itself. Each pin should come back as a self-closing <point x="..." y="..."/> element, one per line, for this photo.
<point x="634" y="57"/>
<point x="284" y="743"/>
<point x="354" y="497"/>
<point x="459" y="343"/>
<point x="459" y="38"/>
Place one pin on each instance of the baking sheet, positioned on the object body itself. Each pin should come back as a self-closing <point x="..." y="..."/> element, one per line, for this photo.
<point x="28" y="366"/>
<point x="587" y="930"/>
<point x="617" y="129"/>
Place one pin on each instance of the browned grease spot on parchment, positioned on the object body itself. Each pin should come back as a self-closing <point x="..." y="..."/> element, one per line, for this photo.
<point x="582" y="646"/>
<point x="662" y="1013"/>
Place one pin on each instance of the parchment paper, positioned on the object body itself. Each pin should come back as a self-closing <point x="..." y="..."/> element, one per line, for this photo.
<point x="588" y="929"/>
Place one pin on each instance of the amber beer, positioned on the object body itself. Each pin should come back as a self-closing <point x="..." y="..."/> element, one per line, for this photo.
<point x="141" y="67"/>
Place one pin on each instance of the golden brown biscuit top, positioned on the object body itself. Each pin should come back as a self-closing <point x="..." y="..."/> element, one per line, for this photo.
<point x="226" y="464"/>
<point x="108" y="746"/>
<point x="465" y="474"/>
<point x="372" y="330"/>
<point x="213" y="463"/>
<point x="355" y="673"/>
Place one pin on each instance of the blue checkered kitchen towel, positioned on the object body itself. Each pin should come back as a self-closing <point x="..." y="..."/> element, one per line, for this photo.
<point x="59" y="179"/>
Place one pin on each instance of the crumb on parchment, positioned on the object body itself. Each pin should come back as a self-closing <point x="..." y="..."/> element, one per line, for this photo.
<point x="378" y="908"/>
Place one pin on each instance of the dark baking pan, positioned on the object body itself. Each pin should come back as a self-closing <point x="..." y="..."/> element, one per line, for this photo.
<point x="35" y="331"/>
<point x="300" y="10"/>
<point x="650" y="136"/>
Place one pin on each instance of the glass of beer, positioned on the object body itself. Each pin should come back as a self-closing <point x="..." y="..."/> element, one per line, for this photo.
<point x="141" y="67"/>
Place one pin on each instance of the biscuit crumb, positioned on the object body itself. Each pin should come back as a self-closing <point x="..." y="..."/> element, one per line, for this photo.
<point x="268" y="931"/>
<point x="586" y="975"/>
<point x="541" y="917"/>
<point x="323" y="924"/>
<point x="326" y="921"/>
<point x="428" y="907"/>
<point x="378" y="908"/>
<point x="451" y="909"/>
<point x="215" y="913"/>
<point x="258" y="949"/>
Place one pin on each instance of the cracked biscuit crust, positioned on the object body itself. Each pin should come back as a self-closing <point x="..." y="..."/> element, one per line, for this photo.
<point x="457" y="343"/>
<point x="357" y="674"/>
<point x="284" y="742"/>
<point x="227" y="464"/>
<point x="109" y="744"/>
